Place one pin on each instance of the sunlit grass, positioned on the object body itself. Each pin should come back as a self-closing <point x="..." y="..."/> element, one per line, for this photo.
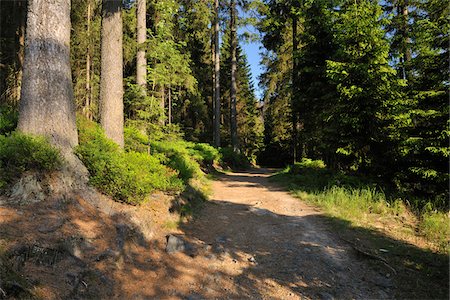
<point x="365" y="204"/>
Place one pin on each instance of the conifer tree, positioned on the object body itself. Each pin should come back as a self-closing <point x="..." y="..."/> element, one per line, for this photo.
<point x="111" y="85"/>
<point x="47" y="107"/>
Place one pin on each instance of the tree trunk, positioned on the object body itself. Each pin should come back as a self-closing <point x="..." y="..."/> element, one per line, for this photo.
<point x="294" y="88"/>
<point x="169" y="105"/>
<point x="163" y="104"/>
<point x="405" y="43"/>
<point x="87" y="105"/>
<point x="233" y="111"/>
<point x="111" y="85"/>
<point x="47" y="107"/>
<point x="141" y="63"/>
<point x="216" y="58"/>
<point x="20" y="52"/>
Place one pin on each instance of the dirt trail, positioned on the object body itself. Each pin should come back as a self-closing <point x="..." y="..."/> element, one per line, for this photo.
<point x="267" y="244"/>
<point x="252" y="240"/>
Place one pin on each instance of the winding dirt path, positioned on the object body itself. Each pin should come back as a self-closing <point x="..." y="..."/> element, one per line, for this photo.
<point x="259" y="242"/>
<point x="251" y="241"/>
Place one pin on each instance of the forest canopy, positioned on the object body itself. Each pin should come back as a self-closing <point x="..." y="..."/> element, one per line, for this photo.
<point x="361" y="85"/>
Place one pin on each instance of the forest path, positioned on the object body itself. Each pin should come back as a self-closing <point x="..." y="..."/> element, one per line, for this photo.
<point x="256" y="241"/>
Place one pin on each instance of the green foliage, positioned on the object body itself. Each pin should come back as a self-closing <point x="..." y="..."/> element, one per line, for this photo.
<point x="8" y="119"/>
<point x="306" y="163"/>
<point x="233" y="160"/>
<point x="187" y="158"/>
<point x="126" y="176"/>
<point x="358" y="200"/>
<point x="20" y="153"/>
<point x="435" y="226"/>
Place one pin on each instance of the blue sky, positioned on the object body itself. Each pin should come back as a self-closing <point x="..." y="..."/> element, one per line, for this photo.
<point x="252" y="50"/>
<point x="254" y="58"/>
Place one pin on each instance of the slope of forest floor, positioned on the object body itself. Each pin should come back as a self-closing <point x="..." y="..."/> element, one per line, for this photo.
<point x="252" y="240"/>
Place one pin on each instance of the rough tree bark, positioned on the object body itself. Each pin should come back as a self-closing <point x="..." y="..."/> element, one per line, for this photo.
<point x="141" y="76"/>
<point x="47" y="107"/>
<point x="216" y="58"/>
<point x="233" y="110"/>
<point x="87" y="104"/>
<point x="111" y="85"/>
<point x="20" y="44"/>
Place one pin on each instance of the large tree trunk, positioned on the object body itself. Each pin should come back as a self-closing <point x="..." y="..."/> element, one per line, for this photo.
<point x="111" y="85"/>
<point x="141" y="64"/>
<point x="233" y="110"/>
<point x="47" y="107"/>
<point x="20" y="51"/>
<point x="216" y="58"/>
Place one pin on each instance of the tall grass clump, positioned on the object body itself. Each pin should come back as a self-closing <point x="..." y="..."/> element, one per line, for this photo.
<point x="435" y="226"/>
<point x="20" y="153"/>
<point x="126" y="176"/>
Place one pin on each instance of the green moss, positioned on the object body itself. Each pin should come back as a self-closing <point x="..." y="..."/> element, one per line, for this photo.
<point x="20" y="153"/>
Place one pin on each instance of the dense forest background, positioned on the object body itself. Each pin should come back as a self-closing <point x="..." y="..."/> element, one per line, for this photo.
<point x="362" y="85"/>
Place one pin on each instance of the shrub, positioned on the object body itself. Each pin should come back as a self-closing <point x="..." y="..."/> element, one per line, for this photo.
<point x="185" y="157"/>
<point x="208" y="153"/>
<point x="179" y="158"/>
<point x="307" y="163"/>
<point x="20" y="153"/>
<point x="125" y="176"/>
<point x="234" y="160"/>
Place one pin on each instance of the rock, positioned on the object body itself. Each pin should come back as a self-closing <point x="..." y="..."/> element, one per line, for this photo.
<point x="222" y="239"/>
<point x="175" y="244"/>
<point x="72" y="278"/>
<point x="383" y="282"/>
<point x="51" y="225"/>
<point x="325" y="296"/>
<point x="108" y="253"/>
<point x="193" y="296"/>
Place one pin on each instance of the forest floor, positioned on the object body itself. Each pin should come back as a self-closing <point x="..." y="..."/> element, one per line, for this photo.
<point x="251" y="240"/>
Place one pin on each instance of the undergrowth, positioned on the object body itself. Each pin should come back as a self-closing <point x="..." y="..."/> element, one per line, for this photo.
<point x="360" y="200"/>
<point x="235" y="161"/>
<point x="20" y="153"/>
<point x="127" y="176"/>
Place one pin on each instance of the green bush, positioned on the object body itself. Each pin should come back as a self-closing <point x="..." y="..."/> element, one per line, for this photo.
<point x="20" y="153"/>
<point x="234" y="160"/>
<point x="208" y="153"/>
<point x="307" y="163"/>
<point x="125" y="176"/>
<point x="180" y="158"/>
<point x="187" y="158"/>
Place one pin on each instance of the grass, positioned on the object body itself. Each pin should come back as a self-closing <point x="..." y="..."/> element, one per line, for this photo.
<point x="364" y="203"/>
<point x="415" y="243"/>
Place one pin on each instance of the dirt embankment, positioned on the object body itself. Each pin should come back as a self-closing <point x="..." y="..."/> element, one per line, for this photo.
<point x="252" y="240"/>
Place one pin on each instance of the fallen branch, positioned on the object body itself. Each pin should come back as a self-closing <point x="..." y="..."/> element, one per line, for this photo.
<point x="369" y="255"/>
